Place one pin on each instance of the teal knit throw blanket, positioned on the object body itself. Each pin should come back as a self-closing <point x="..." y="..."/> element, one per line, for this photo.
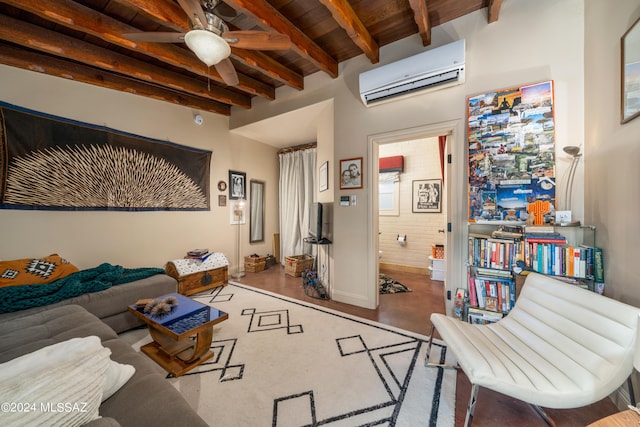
<point x="14" y="298"/>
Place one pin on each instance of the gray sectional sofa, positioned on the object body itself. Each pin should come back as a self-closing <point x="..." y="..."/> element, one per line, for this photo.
<point x="147" y="399"/>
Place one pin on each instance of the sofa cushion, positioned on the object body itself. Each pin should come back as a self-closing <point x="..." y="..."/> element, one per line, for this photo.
<point x="26" y="334"/>
<point x="135" y="405"/>
<point x="110" y="305"/>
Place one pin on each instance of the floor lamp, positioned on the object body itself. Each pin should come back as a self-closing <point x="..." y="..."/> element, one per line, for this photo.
<point x="238" y="214"/>
<point x="573" y="151"/>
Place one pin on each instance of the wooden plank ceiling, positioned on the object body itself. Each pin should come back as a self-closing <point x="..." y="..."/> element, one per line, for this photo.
<point x="82" y="40"/>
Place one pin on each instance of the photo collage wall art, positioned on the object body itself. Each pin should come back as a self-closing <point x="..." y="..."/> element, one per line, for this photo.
<point x="511" y="137"/>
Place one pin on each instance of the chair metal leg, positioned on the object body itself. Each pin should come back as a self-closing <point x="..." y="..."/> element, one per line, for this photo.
<point x="546" y="418"/>
<point x="426" y="357"/>
<point x="471" y="407"/>
<point x="632" y="394"/>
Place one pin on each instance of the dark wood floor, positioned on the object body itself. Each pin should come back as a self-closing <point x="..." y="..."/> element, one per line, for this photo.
<point x="411" y="311"/>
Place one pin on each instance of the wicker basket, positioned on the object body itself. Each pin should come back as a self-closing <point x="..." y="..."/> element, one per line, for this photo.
<point x="254" y="264"/>
<point x="295" y="265"/>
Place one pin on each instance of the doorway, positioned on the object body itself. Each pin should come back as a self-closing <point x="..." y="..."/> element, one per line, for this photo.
<point x="452" y="199"/>
<point x="411" y="212"/>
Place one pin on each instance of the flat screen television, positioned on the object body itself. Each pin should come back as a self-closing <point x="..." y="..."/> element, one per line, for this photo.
<point x="319" y="223"/>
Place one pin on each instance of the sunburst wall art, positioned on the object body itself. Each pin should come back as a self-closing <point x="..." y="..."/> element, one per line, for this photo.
<point x="48" y="162"/>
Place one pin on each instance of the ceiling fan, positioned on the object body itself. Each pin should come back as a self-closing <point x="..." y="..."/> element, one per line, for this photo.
<point x="211" y="40"/>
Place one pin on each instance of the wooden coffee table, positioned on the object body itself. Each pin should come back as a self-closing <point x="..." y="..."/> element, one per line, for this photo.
<point x="182" y="338"/>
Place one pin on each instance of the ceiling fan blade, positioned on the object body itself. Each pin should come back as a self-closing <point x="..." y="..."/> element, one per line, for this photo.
<point x="192" y="8"/>
<point x="259" y="40"/>
<point x="159" y="37"/>
<point x="228" y="72"/>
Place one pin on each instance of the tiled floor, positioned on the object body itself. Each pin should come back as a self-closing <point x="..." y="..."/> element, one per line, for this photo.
<point x="411" y="311"/>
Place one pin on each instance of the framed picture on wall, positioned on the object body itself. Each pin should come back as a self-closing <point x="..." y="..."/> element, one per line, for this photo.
<point x="237" y="185"/>
<point x="427" y="196"/>
<point x="323" y="178"/>
<point x="631" y="73"/>
<point x="351" y="173"/>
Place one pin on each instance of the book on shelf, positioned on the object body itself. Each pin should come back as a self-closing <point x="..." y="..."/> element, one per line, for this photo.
<point x="482" y="317"/>
<point x="491" y="303"/>
<point x="493" y="294"/>
<point x="598" y="265"/>
<point x="500" y="254"/>
<point x="508" y="232"/>
<point x="493" y="272"/>
<point x="564" y="260"/>
<point x="535" y="229"/>
<point x="546" y="238"/>
<point x="481" y="292"/>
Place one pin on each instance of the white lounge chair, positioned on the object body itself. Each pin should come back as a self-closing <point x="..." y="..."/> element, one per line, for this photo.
<point x="561" y="346"/>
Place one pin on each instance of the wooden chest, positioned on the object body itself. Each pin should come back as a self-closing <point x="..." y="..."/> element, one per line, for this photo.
<point x="200" y="281"/>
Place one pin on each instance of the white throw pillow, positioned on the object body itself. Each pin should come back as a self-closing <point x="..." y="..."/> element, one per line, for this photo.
<point x="62" y="384"/>
<point x="117" y="375"/>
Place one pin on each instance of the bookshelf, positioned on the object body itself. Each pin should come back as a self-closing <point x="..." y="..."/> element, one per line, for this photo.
<point x="500" y="255"/>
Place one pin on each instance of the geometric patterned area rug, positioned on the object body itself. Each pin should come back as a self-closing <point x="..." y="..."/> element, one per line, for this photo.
<point x="389" y="286"/>
<point x="283" y="363"/>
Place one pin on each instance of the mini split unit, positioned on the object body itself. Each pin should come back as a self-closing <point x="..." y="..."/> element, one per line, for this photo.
<point x="430" y="70"/>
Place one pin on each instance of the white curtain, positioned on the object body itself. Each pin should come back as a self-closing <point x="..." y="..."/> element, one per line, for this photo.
<point x="297" y="187"/>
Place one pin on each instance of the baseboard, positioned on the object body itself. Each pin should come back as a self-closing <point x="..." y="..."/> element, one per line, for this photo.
<point x="405" y="268"/>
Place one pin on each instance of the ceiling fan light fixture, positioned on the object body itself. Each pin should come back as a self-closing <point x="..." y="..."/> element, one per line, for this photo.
<point x="208" y="47"/>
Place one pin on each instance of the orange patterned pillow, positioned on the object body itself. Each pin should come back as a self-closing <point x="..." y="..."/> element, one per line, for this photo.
<point x="31" y="271"/>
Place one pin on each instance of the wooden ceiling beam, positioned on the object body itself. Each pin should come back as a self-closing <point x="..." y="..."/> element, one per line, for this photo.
<point x="494" y="10"/>
<point x="168" y="13"/>
<point x="38" y="38"/>
<point x="75" y="16"/>
<point x="269" y="66"/>
<point x="346" y="17"/>
<point x="268" y="17"/>
<point x="33" y="61"/>
<point x="421" y="16"/>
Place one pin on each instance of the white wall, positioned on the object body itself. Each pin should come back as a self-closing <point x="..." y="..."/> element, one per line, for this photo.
<point x="531" y="42"/>
<point x="612" y="150"/>
<point x="421" y="161"/>
<point x="135" y="239"/>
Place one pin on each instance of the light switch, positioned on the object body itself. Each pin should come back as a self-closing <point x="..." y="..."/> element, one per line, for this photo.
<point x="354" y="199"/>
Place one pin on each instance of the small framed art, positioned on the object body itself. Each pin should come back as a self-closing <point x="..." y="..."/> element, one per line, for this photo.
<point x="323" y="177"/>
<point x="237" y="185"/>
<point x="427" y="196"/>
<point x="351" y="173"/>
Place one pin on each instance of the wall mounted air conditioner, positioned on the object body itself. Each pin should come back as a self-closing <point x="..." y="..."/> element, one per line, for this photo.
<point x="430" y="70"/>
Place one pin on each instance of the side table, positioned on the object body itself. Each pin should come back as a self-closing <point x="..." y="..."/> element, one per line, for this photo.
<point x="173" y="347"/>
